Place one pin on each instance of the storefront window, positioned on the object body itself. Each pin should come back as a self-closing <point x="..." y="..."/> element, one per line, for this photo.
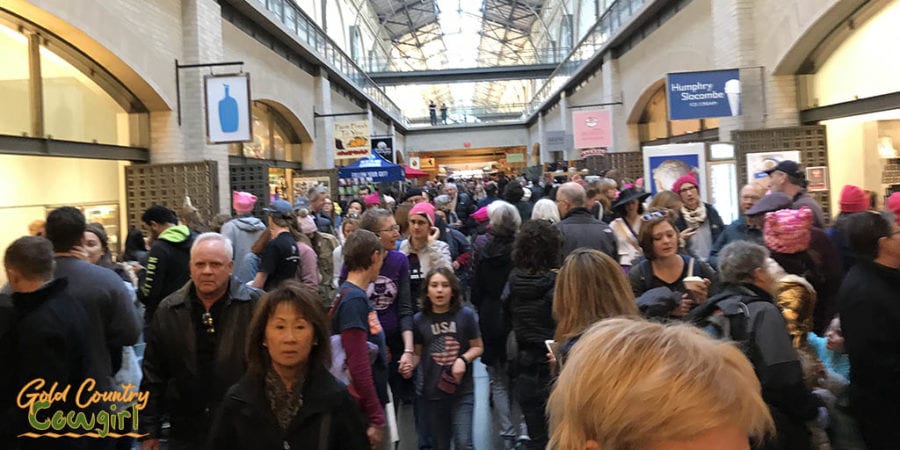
<point x="81" y="101"/>
<point x="272" y="136"/>
<point x="15" y="116"/>
<point x="75" y="108"/>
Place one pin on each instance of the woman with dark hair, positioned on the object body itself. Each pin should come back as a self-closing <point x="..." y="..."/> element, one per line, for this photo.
<point x="627" y="225"/>
<point x="135" y="247"/>
<point x="448" y="341"/>
<point x="288" y="398"/>
<point x="664" y="267"/>
<point x="529" y="304"/>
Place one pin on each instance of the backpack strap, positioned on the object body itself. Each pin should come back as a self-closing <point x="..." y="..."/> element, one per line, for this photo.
<point x="337" y="302"/>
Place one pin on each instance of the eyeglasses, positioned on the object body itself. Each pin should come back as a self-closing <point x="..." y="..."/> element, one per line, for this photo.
<point x="393" y="229"/>
<point x="207" y="320"/>
<point x="687" y="189"/>
<point x="653" y="215"/>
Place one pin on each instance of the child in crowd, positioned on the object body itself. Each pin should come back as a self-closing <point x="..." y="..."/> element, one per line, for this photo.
<point x="830" y="349"/>
<point x="448" y="340"/>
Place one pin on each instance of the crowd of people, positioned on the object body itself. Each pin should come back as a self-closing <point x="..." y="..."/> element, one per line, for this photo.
<point x="606" y="319"/>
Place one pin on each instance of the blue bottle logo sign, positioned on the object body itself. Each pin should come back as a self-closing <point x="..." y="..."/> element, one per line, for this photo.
<point x="228" y="113"/>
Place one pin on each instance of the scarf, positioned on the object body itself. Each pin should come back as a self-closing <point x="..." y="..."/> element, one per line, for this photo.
<point x="284" y="404"/>
<point x="696" y="217"/>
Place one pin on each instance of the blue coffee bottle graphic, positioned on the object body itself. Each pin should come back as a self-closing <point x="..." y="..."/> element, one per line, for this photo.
<point x="228" y="113"/>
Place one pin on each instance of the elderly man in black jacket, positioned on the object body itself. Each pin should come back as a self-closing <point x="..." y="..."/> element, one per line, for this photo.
<point x="195" y="350"/>
<point x="870" y="319"/>
<point x="578" y="227"/>
<point x="745" y="279"/>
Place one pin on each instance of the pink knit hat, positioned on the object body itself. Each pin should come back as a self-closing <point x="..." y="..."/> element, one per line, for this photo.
<point x="893" y="204"/>
<point x="424" y="209"/>
<point x="788" y="231"/>
<point x="853" y="199"/>
<point x="242" y="202"/>
<point x="687" y="178"/>
<point x="481" y="215"/>
<point x="372" y="199"/>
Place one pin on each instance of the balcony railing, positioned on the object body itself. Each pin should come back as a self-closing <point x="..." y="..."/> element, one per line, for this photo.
<point x="612" y="20"/>
<point x="307" y="31"/>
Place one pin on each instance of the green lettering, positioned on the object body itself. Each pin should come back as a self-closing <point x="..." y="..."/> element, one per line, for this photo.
<point x="80" y="420"/>
<point x="59" y="421"/>
<point x="39" y="425"/>
<point x="103" y="423"/>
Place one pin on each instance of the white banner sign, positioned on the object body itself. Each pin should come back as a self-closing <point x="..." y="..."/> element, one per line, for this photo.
<point x="228" y="108"/>
<point x="351" y="140"/>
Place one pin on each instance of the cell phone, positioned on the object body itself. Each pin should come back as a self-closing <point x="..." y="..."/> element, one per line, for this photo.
<point x="550" y="343"/>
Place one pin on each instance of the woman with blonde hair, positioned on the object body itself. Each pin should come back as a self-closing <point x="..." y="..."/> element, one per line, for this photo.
<point x="590" y="287"/>
<point x="631" y="384"/>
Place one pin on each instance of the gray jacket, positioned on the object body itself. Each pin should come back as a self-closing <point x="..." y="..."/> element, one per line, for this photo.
<point x="243" y="232"/>
<point x="580" y="229"/>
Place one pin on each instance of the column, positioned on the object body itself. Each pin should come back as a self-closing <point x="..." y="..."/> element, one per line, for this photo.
<point x="323" y="154"/>
<point x="202" y="30"/>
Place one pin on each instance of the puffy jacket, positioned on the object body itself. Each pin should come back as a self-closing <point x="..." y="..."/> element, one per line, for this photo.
<point x="580" y="229"/>
<point x="530" y="308"/>
<point x="245" y="419"/>
<point x="243" y="232"/>
<point x="171" y="373"/>
<point x="492" y="266"/>
<point x="168" y="267"/>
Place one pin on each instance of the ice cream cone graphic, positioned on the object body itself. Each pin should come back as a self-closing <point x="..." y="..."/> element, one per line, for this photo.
<point x="733" y="91"/>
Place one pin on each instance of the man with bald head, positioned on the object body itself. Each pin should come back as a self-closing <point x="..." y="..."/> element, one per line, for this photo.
<point x="741" y="229"/>
<point x="578" y="227"/>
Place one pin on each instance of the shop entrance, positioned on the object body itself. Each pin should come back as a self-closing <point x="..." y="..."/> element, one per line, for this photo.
<point x="472" y="163"/>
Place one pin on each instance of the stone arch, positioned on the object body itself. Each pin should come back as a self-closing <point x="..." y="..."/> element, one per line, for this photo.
<point x="640" y="105"/>
<point x="295" y="123"/>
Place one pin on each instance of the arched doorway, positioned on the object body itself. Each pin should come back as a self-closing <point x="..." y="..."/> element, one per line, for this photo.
<point x="654" y="127"/>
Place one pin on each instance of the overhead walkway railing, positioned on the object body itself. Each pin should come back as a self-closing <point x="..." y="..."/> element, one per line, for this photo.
<point x="490" y="59"/>
<point x="469" y="115"/>
<point x="613" y="19"/>
<point x="302" y="27"/>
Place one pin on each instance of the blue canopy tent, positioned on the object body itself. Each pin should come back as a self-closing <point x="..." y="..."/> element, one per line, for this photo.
<point x="375" y="167"/>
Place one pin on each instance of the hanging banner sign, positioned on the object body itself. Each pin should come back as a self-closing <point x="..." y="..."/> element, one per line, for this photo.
<point x="593" y="152"/>
<point x="555" y="141"/>
<point x="384" y="147"/>
<point x="699" y="95"/>
<point x="592" y="128"/>
<point x="227" y="108"/>
<point x="351" y="140"/>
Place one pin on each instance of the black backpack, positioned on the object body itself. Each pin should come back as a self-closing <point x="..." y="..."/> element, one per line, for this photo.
<point x="730" y="321"/>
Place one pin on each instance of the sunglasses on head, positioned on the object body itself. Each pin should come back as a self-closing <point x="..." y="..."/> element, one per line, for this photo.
<point x="653" y="215"/>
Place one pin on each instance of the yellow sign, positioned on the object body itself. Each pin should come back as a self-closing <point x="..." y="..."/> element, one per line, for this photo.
<point x="96" y="414"/>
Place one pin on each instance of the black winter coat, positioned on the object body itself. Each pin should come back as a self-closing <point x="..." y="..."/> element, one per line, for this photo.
<point x="52" y="338"/>
<point x="245" y="419"/>
<point x="171" y="372"/>
<point x="869" y="304"/>
<point x="530" y="308"/>
<point x="492" y="266"/>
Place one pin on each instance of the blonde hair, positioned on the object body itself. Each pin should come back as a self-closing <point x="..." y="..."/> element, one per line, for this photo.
<point x="629" y="384"/>
<point x="590" y="287"/>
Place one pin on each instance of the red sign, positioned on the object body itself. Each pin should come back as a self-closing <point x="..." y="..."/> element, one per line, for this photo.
<point x="592" y="152"/>
<point x="592" y="128"/>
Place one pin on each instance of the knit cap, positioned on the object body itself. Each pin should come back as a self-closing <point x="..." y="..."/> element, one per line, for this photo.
<point x="424" y="209"/>
<point x="853" y="199"/>
<point x="893" y="205"/>
<point x="242" y="202"/>
<point x="688" y="178"/>
<point x="788" y="230"/>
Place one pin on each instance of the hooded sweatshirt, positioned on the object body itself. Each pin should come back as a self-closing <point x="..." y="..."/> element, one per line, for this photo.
<point x="243" y="232"/>
<point x="168" y="267"/>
